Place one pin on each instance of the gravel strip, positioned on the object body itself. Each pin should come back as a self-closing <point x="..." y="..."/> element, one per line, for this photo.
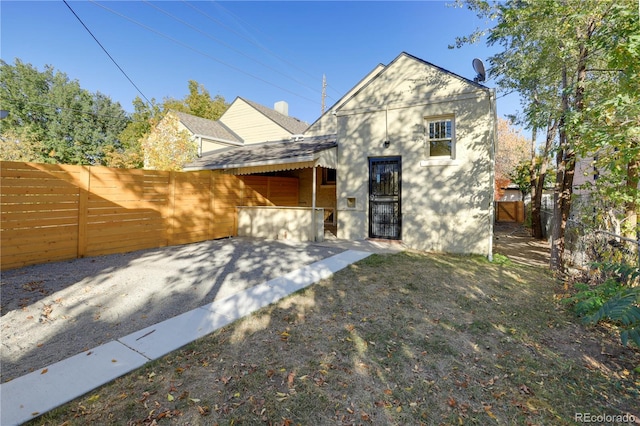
<point x="56" y="310"/>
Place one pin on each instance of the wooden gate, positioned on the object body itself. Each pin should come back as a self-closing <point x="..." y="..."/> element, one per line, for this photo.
<point x="509" y="211"/>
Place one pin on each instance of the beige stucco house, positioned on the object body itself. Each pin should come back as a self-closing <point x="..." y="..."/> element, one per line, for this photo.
<point x="415" y="158"/>
<point x="407" y="155"/>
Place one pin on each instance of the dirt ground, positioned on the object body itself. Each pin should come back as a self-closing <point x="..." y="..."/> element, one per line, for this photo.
<point x="600" y="348"/>
<point x="514" y="241"/>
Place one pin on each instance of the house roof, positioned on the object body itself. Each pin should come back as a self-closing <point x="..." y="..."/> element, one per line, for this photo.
<point x="291" y="124"/>
<point x="210" y="129"/>
<point x="271" y="156"/>
<point x="378" y="71"/>
<point x="444" y="70"/>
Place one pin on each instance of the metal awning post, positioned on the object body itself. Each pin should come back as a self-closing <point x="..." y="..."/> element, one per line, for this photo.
<point x="313" y="204"/>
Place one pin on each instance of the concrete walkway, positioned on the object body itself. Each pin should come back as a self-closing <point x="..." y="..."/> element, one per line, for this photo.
<point x="36" y="393"/>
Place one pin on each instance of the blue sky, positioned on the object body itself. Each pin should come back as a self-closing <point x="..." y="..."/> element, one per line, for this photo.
<point x="263" y="51"/>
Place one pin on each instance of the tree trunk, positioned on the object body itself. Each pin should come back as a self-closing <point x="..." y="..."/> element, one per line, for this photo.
<point x="559" y="193"/>
<point x="537" y="186"/>
<point x="566" y="157"/>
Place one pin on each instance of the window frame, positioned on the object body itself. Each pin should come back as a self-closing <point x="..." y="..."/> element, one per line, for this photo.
<point x="325" y="177"/>
<point x="435" y="119"/>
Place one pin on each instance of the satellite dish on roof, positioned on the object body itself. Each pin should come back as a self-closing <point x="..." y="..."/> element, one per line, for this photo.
<point x="478" y="66"/>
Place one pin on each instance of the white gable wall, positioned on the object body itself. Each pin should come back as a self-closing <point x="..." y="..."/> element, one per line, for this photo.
<point x="251" y="125"/>
<point x="327" y="123"/>
<point x="204" y="144"/>
<point x="446" y="204"/>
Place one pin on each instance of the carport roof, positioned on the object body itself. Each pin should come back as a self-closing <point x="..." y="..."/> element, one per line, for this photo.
<point x="271" y="156"/>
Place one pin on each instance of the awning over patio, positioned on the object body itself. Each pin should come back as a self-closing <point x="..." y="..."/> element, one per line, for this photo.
<point x="271" y="156"/>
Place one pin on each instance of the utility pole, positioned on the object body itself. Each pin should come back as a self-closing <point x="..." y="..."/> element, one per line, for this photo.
<point x="324" y="91"/>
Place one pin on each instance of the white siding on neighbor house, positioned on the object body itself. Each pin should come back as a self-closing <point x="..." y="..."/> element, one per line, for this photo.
<point x="584" y="173"/>
<point x="446" y="204"/>
<point x="511" y="195"/>
<point x="251" y="125"/>
<point x="204" y="145"/>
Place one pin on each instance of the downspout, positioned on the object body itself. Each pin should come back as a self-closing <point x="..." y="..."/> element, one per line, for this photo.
<point x="313" y="204"/>
<point x="494" y="113"/>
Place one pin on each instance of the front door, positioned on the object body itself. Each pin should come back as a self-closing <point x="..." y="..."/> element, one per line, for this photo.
<point x="385" y="218"/>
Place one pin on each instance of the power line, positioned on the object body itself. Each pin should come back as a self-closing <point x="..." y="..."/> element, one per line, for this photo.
<point x="260" y="46"/>
<point x="250" y="40"/>
<point x="180" y="43"/>
<point x="105" y="51"/>
<point x="193" y="27"/>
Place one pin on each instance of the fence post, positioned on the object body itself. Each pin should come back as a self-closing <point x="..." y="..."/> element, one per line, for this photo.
<point x="211" y="204"/>
<point x="84" y="188"/>
<point x="171" y="208"/>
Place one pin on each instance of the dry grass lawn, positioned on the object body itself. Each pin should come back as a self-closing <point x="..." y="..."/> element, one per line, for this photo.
<point x="402" y="339"/>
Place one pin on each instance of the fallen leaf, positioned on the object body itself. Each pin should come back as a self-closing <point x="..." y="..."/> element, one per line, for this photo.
<point x="290" y="378"/>
<point x="170" y="397"/>
<point x="45" y="371"/>
<point x="114" y="360"/>
<point x="487" y="409"/>
<point x="451" y="402"/>
<point x="524" y="389"/>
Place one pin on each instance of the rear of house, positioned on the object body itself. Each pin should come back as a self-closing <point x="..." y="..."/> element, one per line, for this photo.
<point x="415" y="158"/>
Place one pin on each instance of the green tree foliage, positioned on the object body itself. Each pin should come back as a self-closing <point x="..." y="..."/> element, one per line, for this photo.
<point x="167" y="147"/>
<point x="611" y="124"/>
<point x="53" y="119"/>
<point x="129" y="154"/>
<point x="616" y="299"/>
<point x="575" y="63"/>
<point x="145" y="117"/>
<point x="198" y="102"/>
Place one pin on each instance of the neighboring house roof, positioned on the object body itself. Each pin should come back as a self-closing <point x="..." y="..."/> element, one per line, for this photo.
<point x="291" y="124"/>
<point x="206" y="128"/>
<point x="271" y="156"/>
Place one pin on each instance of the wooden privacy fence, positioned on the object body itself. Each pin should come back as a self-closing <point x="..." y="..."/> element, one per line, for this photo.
<point x="59" y="212"/>
<point x="509" y="211"/>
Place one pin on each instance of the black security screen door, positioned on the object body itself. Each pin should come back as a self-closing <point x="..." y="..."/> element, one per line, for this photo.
<point x="384" y="198"/>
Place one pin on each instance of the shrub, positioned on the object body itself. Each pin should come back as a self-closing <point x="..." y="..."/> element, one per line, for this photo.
<point x="615" y="300"/>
